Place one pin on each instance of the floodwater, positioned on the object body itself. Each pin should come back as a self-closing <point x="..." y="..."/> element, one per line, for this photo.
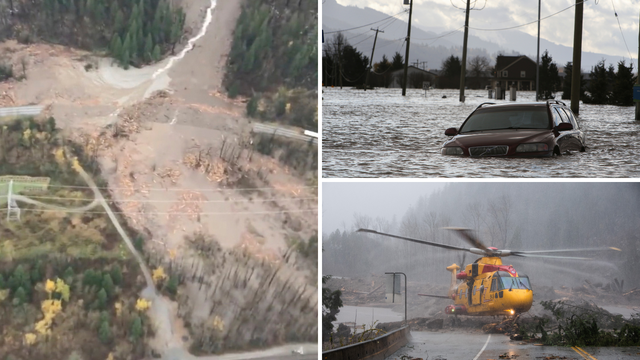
<point x="380" y="133"/>
<point x="366" y="315"/>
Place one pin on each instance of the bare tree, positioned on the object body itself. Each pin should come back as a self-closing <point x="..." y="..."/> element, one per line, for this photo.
<point x="477" y="67"/>
<point x="500" y="213"/>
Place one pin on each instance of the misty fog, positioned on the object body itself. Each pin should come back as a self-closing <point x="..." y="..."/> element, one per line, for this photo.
<point x="514" y="216"/>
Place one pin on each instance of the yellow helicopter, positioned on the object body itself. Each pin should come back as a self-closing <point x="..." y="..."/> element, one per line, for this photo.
<point x="488" y="287"/>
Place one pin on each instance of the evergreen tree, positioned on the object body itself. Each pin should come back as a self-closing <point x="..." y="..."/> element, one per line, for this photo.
<point x="622" y="94"/>
<point x="119" y="23"/>
<point x="20" y="296"/>
<point x="598" y="88"/>
<point x="397" y="62"/>
<point x="37" y="272"/>
<point x="155" y="56"/>
<point x="136" y="329"/>
<point x="90" y="278"/>
<point x="116" y="274"/>
<point x="104" y="332"/>
<point x="107" y="284"/>
<point x="148" y="48"/>
<point x="3" y="285"/>
<point x="566" y="82"/>
<point x="68" y="275"/>
<point x="20" y="278"/>
<point x="102" y="299"/>
<point x="549" y="78"/>
<point x="172" y="284"/>
<point x="117" y="51"/>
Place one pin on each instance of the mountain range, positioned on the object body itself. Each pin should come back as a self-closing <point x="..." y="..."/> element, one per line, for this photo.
<point x="434" y="45"/>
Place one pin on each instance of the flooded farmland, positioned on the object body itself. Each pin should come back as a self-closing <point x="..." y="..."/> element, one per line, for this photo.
<point x="380" y="133"/>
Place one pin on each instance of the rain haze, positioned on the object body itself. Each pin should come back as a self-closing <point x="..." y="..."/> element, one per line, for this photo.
<point x="515" y="216"/>
<point x="375" y="200"/>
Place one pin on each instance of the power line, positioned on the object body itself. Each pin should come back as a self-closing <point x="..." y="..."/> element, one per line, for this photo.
<point x="441" y="36"/>
<point x="169" y="189"/>
<point x="358" y="27"/>
<point x="168" y="201"/>
<point x="529" y="23"/>
<point x="173" y="213"/>
<point x="621" y="33"/>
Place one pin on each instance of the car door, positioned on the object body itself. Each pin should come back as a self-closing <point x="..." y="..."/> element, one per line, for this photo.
<point x="579" y="134"/>
<point x="567" y="139"/>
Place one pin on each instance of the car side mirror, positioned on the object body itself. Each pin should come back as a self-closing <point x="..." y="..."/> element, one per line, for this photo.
<point x="564" y="126"/>
<point x="451" y="132"/>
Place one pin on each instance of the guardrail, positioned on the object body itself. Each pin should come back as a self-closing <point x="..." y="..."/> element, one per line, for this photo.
<point x="31" y="110"/>
<point x="375" y="349"/>
<point x="307" y="136"/>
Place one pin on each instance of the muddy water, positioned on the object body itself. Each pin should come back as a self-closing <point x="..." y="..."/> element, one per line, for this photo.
<point x="382" y="134"/>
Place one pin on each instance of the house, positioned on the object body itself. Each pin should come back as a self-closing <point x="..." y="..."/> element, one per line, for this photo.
<point x="515" y="70"/>
<point x="415" y="75"/>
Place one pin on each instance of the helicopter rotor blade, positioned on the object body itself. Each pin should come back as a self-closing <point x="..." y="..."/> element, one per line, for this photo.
<point x="550" y="256"/>
<point x="468" y="236"/>
<point x="565" y="250"/>
<point x="424" y="242"/>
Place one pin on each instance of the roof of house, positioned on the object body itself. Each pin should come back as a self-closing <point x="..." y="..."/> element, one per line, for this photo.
<point x="504" y="62"/>
<point x="411" y="67"/>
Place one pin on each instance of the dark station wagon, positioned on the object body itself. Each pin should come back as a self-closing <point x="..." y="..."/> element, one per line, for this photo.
<point x="518" y="129"/>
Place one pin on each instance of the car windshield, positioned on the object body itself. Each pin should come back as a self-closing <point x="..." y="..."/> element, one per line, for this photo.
<point x="507" y="283"/>
<point x="507" y="118"/>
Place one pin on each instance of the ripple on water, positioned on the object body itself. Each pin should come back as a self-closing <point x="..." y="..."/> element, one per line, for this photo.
<point x="382" y="134"/>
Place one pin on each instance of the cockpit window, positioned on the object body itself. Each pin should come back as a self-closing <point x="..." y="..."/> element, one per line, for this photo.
<point x="506" y="283"/>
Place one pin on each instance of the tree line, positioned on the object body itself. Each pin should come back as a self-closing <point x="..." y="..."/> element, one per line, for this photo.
<point x="344" y="65"/>
<point x="135" y="32"/>
<point x="273" y="61"/>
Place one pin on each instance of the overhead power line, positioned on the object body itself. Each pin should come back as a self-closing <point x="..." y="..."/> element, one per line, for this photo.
<point x="173" y="213"/>
<point x="170" y="201"/>
<point x="358" y="27"/>
<point x="171" y="189"/>
<point x="529" y="23"/>
<point x="621" y="33"/>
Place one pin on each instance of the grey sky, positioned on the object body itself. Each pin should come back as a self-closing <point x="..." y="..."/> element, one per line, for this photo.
<point x="340" y="201"/>
<point x="601" y="30"/>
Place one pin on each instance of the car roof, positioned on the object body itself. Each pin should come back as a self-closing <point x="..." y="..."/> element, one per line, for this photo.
<point x="489" y="106"/>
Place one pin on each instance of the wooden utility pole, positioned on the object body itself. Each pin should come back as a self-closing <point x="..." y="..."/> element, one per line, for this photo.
<point x="638" y="77"/>
<point x="577" y="57"/>
<point x="406" y="55"/>
<point x="463" y="70"/>
<point x="538" y="57"/>
<point x="366" y="81"/>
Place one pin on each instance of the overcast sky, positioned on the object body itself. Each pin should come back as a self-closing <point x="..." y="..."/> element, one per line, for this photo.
<point x="600" y="27"/>
<point x="340" y="201"/>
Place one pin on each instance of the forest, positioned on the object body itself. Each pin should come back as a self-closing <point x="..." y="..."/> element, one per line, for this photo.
<point x="135" y="32"/>
<point x="516" y="216"/>
<point x="68" y="285"/>
<point x="273" y="61"/>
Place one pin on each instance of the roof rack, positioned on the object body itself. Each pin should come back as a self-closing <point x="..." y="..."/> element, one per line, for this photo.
<point x="485" y="103"/>
<point x="554" y="101"/>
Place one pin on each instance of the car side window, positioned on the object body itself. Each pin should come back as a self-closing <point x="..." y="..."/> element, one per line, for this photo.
<point x="557" y="120"/>
<point x="563" y="115"/>
<point x="572" y="118"/>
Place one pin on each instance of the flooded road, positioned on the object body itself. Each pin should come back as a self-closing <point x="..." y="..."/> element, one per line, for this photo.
<point x="379" y="133"/>
<point x="476" y="346"/>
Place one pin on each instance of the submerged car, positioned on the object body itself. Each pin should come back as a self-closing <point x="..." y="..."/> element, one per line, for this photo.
<point x="518" y="129"/>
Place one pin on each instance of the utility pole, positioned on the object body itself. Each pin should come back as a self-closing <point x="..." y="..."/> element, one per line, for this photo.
<point x="366" y="81"/>
<point x="538" y="57"/>
<point x="463" y="70"/>
<point x="406" y="55"/>
<point x="577" y="57"/>
<point x="638" y="77"/>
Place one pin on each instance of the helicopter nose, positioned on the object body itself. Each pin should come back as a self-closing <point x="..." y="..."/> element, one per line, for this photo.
<point x="520" y="300"/>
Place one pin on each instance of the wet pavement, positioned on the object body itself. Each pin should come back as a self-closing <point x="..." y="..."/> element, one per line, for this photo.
<point x="379" y="133"/>
<point x="480" y="346"/>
